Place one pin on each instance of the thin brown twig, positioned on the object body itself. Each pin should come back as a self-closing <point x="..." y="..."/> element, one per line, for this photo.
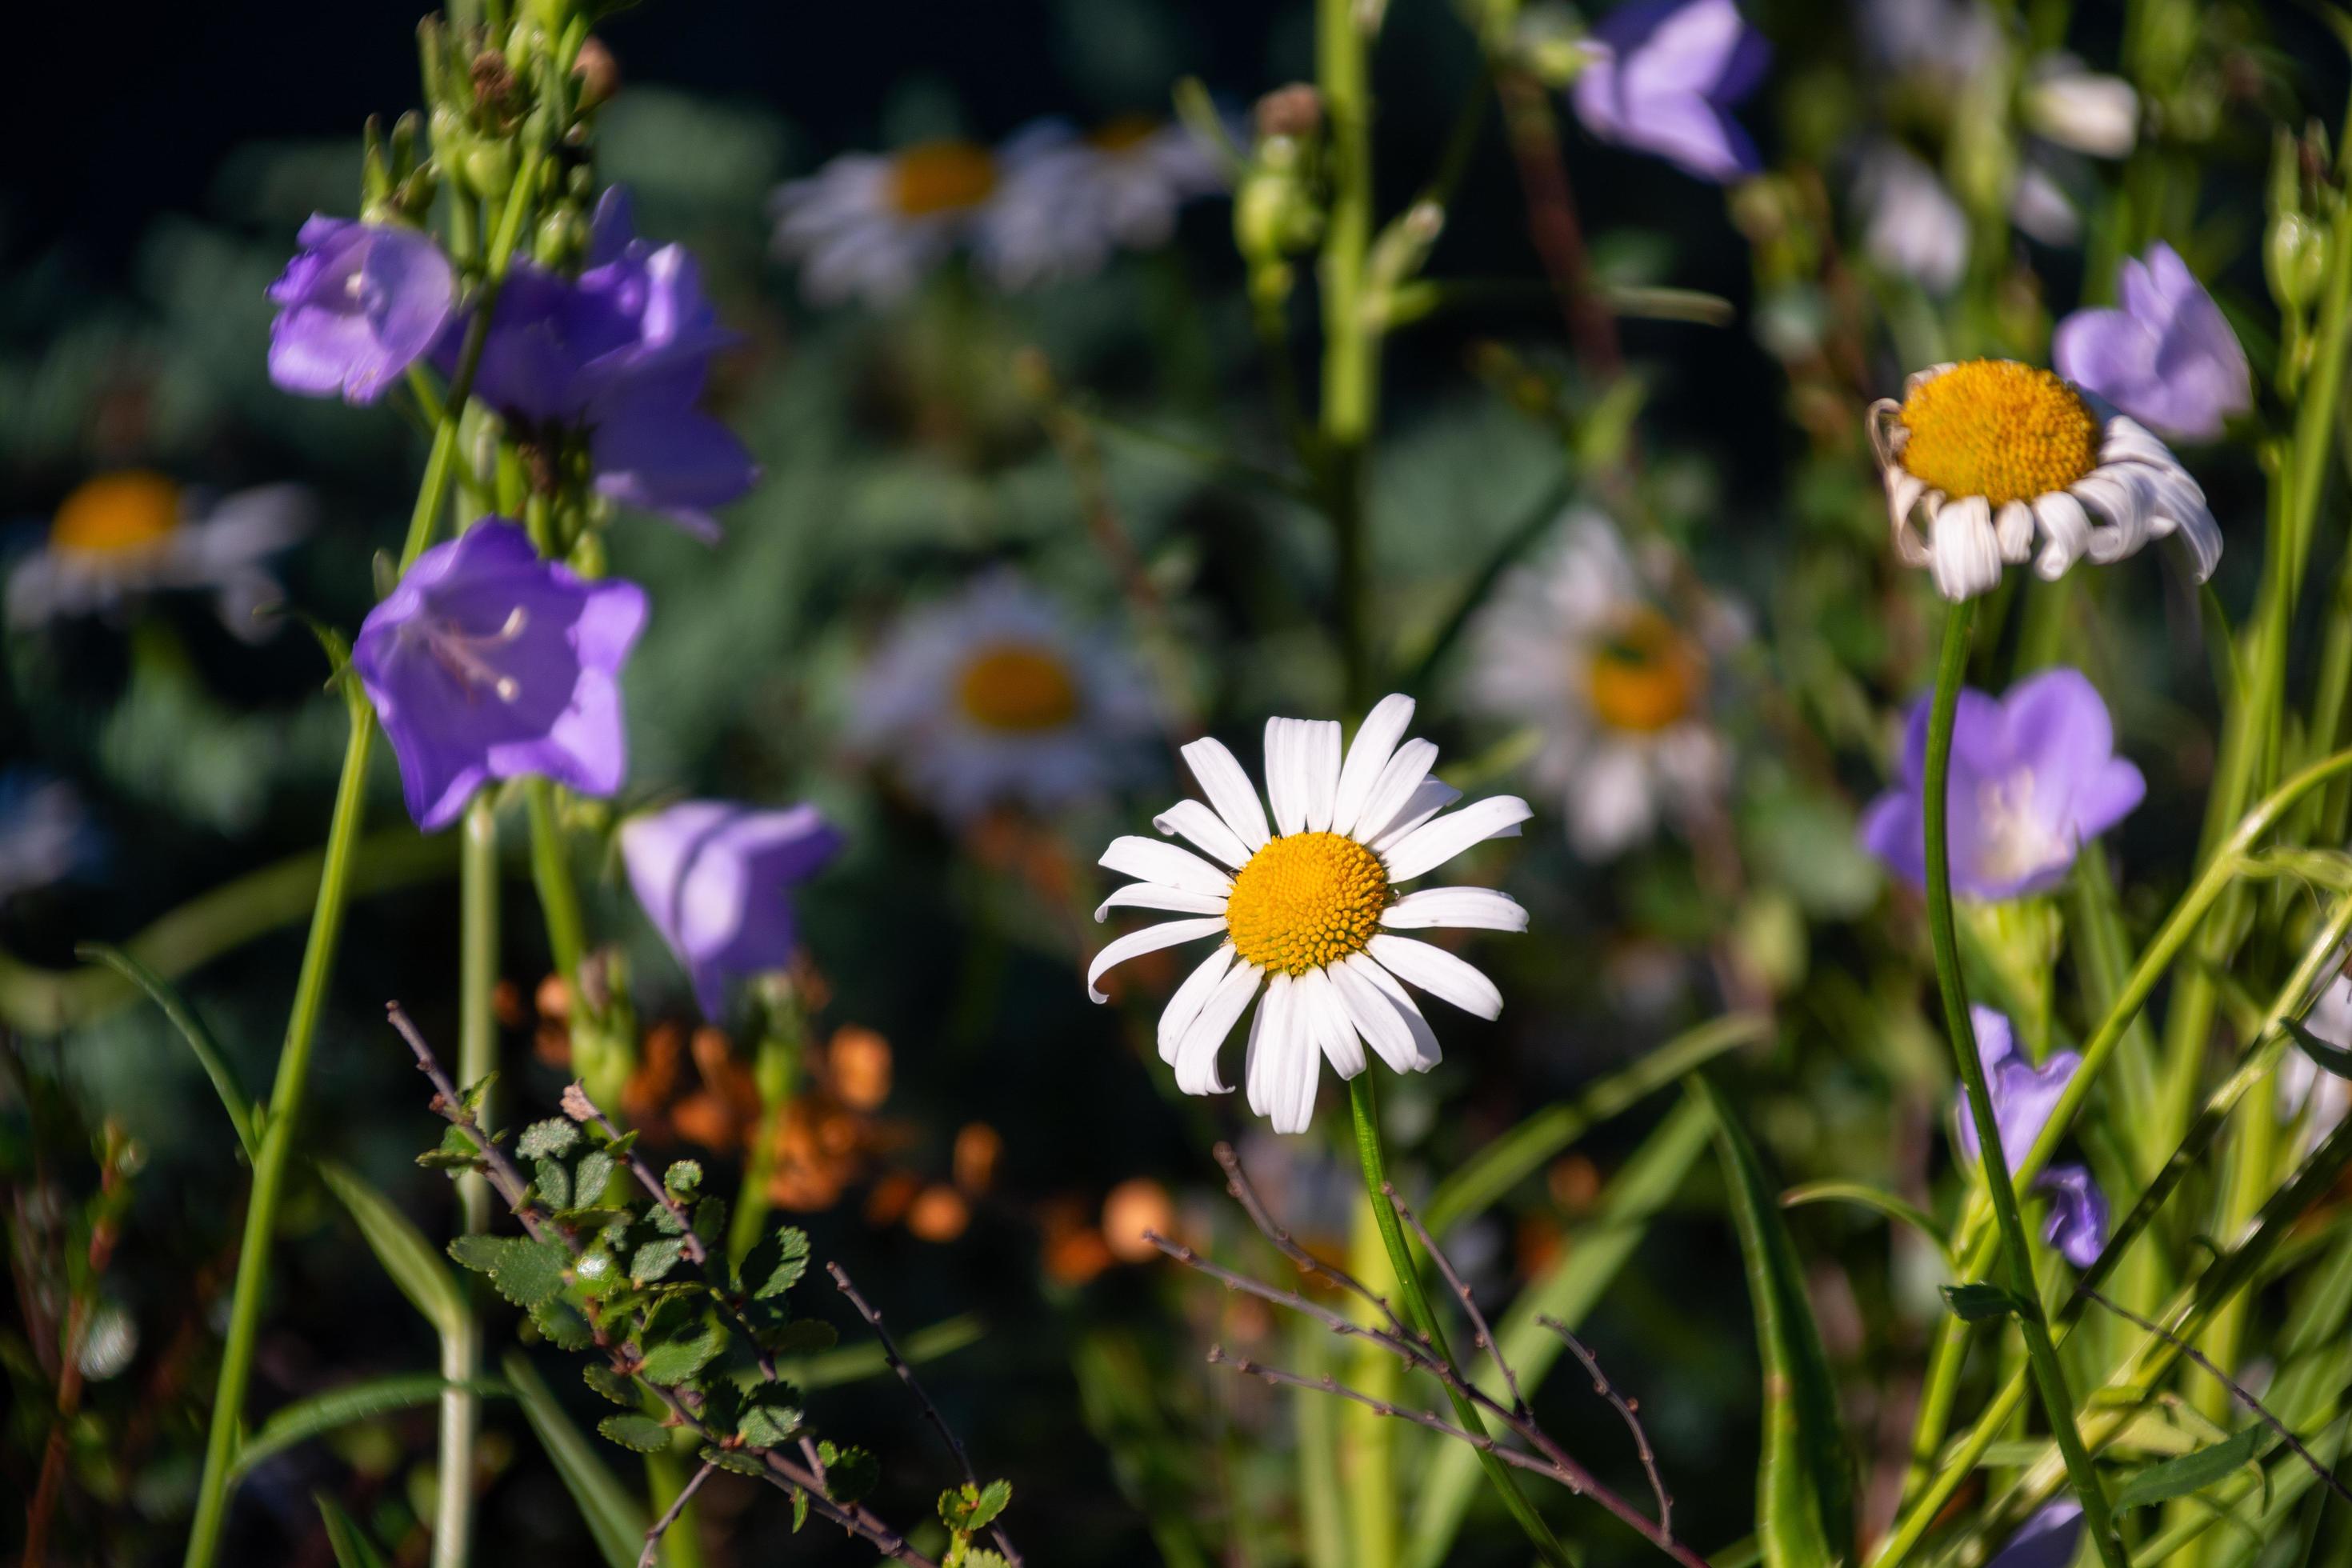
<point x="906" y="1375"/>
<point x="1626" y="1407"/>
<point x="2324" y="1472"/>
<point x="652" y="1552"/>
<point x="1238" y="1183"/>
<point x="1533" y="134"/>
<point x="1481" y="1335"/>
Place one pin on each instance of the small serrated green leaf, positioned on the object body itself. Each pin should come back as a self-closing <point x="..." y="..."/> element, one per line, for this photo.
<point x="993" y="1497"/>
<point x="2191" y="1472"/>
<point x="776" y="1262"/>
<point x="620" y="1390"/>
<point x="710" y="1218"/>
<point x="1977" y="1302"/>
<point x="656" y="1258"/>
<point x="735" y="1459"/>
<point x="981" y="1557"/>
<point x="641" y="1433"/>
<point x="525" y="1272"/>
<point x="472" y="1096"/>
<point x="800" y="1510"/>
<point x="456" y="1151"/>
<point x="546" y="1140"/>
<point x="564" y="1325"/>
<point x="850" y="1472"/>
<point x="589" y="1176"/>
<point x="683" y="1178"/>
<point x="552" y="1183"/>
<point x="666" y="1220"/>
<point x="675" y="1361"/>
<point x="768" y="1424"/>
<point x="592" y="1218"/>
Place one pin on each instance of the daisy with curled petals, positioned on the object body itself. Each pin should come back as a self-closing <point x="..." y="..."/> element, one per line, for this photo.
<point x="1305" y="907"/>
<point x="1983" y="458"/>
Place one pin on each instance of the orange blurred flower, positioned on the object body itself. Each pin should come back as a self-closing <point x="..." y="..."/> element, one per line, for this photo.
<point x="1134" y="1206"/>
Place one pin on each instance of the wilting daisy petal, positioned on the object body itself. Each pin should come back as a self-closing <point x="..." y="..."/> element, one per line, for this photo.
<point x="1302" y="915"/>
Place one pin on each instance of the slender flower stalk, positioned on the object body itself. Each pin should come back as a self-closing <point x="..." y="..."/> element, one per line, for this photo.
<point x="1352" y="367"/>
<point x="2049" y="1378"/>
<point x="461" y="1350"/>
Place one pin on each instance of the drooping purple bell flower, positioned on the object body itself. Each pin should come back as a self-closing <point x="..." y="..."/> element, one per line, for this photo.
<point x="715" y="877"/>
<point x="359" y="304"/>
<point x="621" y="355"/>
<point x="2167" y="357"/>
<point x="2077" y="1226"/>
<point x="487" y="662"/>
<point x="2034" y="777"/>
<point x="1663" y="77"/>
<point x="2023" y="1096"/>
<point x="2047" y="1539"/>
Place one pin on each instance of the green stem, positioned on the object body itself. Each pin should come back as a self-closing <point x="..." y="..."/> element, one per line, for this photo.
<point x="1364" y="1102"/>
<point x="461" y="1345"/>
<point x="278" y="1140"/>
<point x="2049" y="1378"/>
<point x="775" y="1064"/>
<point x="1350" y="355"/>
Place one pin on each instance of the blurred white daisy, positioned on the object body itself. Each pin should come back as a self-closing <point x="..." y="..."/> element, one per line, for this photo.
<point x="1580" y="647"/>
<point x="1308" y="910"/>
<point x="45" y="833"/>
<point x="1069" y="199"/>
<point x="2302" y="1083"/>
<point x="871" y="225"/>
<point x="993" y="697"/>
<point x="137" y="533"/>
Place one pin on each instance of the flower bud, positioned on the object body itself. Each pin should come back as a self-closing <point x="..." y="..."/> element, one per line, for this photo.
<point x="487" y="168"/>
<point x="599" y="72"/>
<point x="588" y="557"/>
<point x="2085" y="110"/>
<point x="1550" y="44"/>
<point x="2294" y="258"/>
<point x="1294" y="113"/>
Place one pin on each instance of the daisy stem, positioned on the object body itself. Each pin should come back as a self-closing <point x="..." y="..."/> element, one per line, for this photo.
<point x="461" y="1347"/>
<point x="1364" y="1102"/>
<point x="2048" y="1376"/>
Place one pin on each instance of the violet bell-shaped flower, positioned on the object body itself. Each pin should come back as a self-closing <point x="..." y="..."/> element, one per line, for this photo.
<point x="618" y="357"/>
<point x="2034" y="777"/>
<point x="357" y="304"/>
<point x="2023" y="1098"/>
<point x="1662" y="76"/>
<point x="715" y="877"/>
<point x="487" y="662"/>
<point x="2167" y="357"/>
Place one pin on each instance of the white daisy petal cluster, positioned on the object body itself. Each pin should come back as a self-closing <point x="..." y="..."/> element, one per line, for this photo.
<point x="1306" y="907"/>
<point x="993" y="697"/>
<point x="123" y="534"/>
<point x="1991" y="462"/>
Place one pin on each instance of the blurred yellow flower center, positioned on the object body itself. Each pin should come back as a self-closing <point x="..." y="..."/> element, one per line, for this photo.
<point x="1645" y="676"/>
<point x="1996" y="429"/>
<point x="1019" y="687"/>
<point x="117" y="514"/>
<point x="941" y="176"/>
<point x="1121" y="135"/>
<point x="1305" y="900"/>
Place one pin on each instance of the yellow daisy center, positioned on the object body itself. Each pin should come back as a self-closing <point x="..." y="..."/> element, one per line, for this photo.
<point x="1646" y="677"/>
<point x="941" y="176"/>
<point x="1305" y="900"/>
<point x="117" y="514"/>
<point x="1122" y="134"/>
<point x="1018" y="687"/>
<point x="1999" y="429"/>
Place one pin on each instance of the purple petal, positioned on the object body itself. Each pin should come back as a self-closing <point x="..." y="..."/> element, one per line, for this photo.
<point x="2077" y="1226"/>
<point x="2046" y="1541"/>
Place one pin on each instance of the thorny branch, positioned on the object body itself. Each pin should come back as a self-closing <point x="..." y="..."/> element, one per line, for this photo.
<point x="1481" y="1336"/>
<point x="1550" y="1460"/>
<point x="782" y="1473"/>
<point x="906" y="1375"/>
<point x="1626" y="1407"/>
<point x="646" y="1558"/>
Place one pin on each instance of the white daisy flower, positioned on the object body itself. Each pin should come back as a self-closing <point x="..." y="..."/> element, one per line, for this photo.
<point x="45" y="833"/>
<point x="1578" y="648"/>
<point x="993" y="697"/>
<point x="1068" y="199"/>
<point x="1982" y="456"/>
<point x="1307" y="909"/>
<point x="871" y="225"/>
<point x="137" y="533"/>
<point x="1912" y="223"/>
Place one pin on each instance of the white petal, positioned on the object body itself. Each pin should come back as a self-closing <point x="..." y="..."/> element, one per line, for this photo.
<point x="1196" y="1055"/>
<point x="1903" y="490"/>
<point x="2118" y="493"/>
<point x="2013" y="528"/>
<point x="1376" y="741"/>
<point x="1151" y="939"/>
<point x="1374" y="1015"/>
<point x="1404" y="774"/>
<point x="1268" y="1046"/>
<point x="1152" y="895"/>
<point x="1967" y="557"/>
<point x="1294" y="1110"/>
<point x="1437" y="972"/>
<point x="1427" y="1054"/>
<point x="2065" y="531"/>
<point x="1229" y="789"/>
<point x="1185" y="1005"/>
<point x="1286" y="782"/>
<point x="1205" y="828"/>
<point x="1441" y="838"/>
<point x="1333" y="1029"/>
<point x="1302" y="772"/>
<point x="1429" y="798"/>
<point x="1478" y="909"/>
<point x="1165" y="864"/>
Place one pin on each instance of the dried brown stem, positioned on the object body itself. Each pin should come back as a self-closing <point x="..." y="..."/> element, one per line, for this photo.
<point x="1533" y="133"/>
<point x="646" y="1558"/>
<point x="1626" y="1407"/>
<point x="1237" y="1182"/>
<point x="1481" y="1335"/>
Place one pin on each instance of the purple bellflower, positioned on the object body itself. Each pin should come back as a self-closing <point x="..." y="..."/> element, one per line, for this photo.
<point x="2046" y="1541"/>
<point x="2167" y="357"/>
<point x="1662" y="77"/>
<point x="2034" y="777"/>
<point x="2023" y="1096"/>
<point x="487" y="662"/>
<point x="357" y="304"/>
<point x="620" y="355"/>
<point x="714" y="877"/>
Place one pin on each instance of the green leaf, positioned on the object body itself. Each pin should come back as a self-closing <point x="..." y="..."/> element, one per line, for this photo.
<point x="776" y="1262"/>
<point x="589" y="1177"/>
<point x="742" y="1463"/>
<point x="349" y="1543"/>
<point x="2330" y="1058"/>
<point x="656" y="1258"/>
<point x="771" y="1417"/>
<point x="969" y="1508"/>
<point x="616" y="1519"/>
<point x="191" y="1029"/>
<point x="547" y="1140"/>
<point x="675" y="1361"/>
<point x="565" y="1326"/>
<point x="613" y="1386"/>
<point x="322" y="1412"/>
<point x="850" y="1472"/>
<point x="642" y="1433"/>
<point x="456" y="1151"/>
<point x="1877" y="1200"/>
<point x="551" y="1181"/>
<point x="2191" y="1472"/>
<point x="800" y="1510"/>
<point x="1805" y="1487"/>
<point x="525" y="1272"/>
<point x="595" y="1217"/>
<point x="683" y="1178"/>
<point x="1979" y="1302"/>
<point x="413" y="1263"/>
<point x="981" y="1557"/>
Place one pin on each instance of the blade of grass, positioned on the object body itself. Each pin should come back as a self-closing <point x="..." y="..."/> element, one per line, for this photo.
<point x="191" y="1029"/>
<point x="615" y="1516"/>
<point x="324" y="1413"/>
